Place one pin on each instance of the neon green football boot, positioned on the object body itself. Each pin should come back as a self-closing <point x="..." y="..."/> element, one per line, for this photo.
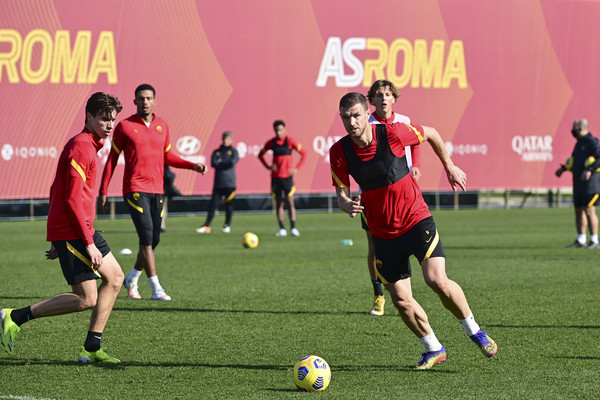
<point x="9" y="330"/>
<point x="88" y="357"/>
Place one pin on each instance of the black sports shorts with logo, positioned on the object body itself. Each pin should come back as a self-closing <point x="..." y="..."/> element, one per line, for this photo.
<point x="146" y="211"/>
<point x="282" y="187"/>
<point x="422" y="241"/>
<point x="75" y="261"/>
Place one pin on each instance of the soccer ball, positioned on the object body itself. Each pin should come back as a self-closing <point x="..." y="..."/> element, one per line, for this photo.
<point x="312" y="373"/>
<point x="250" y="240"/>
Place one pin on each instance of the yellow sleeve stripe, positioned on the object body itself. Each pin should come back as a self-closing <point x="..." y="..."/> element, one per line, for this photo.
<point x="337" y="180"/>
<point x="83" y="258"/>
<point x="433" y="245"/>
<point x="115" y="148"/>
<point x="132" y="204"/>
<point x="168" y="148"/>
<point x="416" y="131"/>
<point x="79" y="169"/>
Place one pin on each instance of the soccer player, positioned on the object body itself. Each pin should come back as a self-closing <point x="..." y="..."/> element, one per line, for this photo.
<point x="83" y="254"/>
<point x="383" y="94"/>
<point x="223" y="160"/>
<point x="586" y="183"/>
<point x="282" y="172"/>
<point x="399" y="219"/>
<point x="144" y="140"/>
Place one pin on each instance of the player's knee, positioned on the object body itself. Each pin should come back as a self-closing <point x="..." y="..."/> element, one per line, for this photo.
<point x="87" y="302"/>
<point x="440" y="286"/>
<point x="403" y="306"/>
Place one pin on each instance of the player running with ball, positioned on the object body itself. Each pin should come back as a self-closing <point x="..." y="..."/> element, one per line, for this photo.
<point x="399" y="219"/>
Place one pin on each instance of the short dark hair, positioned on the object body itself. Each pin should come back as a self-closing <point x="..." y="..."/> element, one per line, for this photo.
<point x="353" y="98"/>
<point x="102" y="103"/>
<point x="277" y="123"/>
<point x="379" y="84"/>
<point x="144" y="86"/>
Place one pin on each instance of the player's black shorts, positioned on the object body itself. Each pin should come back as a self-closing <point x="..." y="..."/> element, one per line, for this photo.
<point x="75" y="261"/>
<point x="282" y="187"/>
<point x="227" y="193"/>
<point x="586" y="200"/>
<point x="146" y="211"/>
<point x="422" y="241"/>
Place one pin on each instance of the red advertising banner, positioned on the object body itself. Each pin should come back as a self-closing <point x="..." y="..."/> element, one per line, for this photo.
<point x="501" y="80"/>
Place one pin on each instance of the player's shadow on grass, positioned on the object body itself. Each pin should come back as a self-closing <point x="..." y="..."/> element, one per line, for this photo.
<point x="36" y="298"/>
<point x="544" y="326"/>
<point x="213" y="310"/>
<point x="21" y="362"/>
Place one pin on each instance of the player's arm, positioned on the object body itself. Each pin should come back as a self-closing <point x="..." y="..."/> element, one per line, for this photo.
<point x="261" y="156"/>
<point x="592" y="167"/>
<point x="345" y="202"/>
<point x="455" y="175"/>
<point x="415" y="152"/>
<point x="75" y="182"/>
<point x="298" y="147"/>
<point x="116" y="147"/>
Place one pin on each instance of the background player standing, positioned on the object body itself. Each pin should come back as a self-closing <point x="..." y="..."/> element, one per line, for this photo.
<point x="144" y="140"/>
<point x="383" y="94"/>
<point x="282" y="172"/>
<point x="399" y="219"/>
<point x="83" y="254"/>
<point x="585" y="161"/>
<point x="223" y="160"/>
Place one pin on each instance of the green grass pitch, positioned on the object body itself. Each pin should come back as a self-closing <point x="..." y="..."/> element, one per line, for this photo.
<point x="241" y="318"/>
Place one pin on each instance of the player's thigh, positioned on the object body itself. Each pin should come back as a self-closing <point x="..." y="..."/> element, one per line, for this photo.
<point x="434" y="270"/>
<point x="400" y="291"/>
<point x="111" y="269"/>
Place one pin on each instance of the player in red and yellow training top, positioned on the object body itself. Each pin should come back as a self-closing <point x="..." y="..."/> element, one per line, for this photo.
<point x="399" y="220"/>
<point x="143" y="138"/>
<point x="282" y="172"/>
<point x="83" y="254"/>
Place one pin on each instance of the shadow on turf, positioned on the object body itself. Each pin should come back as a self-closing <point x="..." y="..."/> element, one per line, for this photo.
<point x="211" y="310"/>
<point x="124" y="364"/>
<point x="546" y="326"/>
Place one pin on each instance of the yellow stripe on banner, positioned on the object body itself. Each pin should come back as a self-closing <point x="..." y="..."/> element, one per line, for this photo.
<point x="292" y="191"/>
<point x="231" y="196"/>
<point x="132" y="204"/>
<point x="337" y="180"/>
<point x="168" y="148"/>
<point x="82" y="258"/>
<point x="433" y="245"/>
<point x="591" y="203"/>
<point x="115" y="148"/>
<point x="79" y="169"/>
<point x="416" y="131"/>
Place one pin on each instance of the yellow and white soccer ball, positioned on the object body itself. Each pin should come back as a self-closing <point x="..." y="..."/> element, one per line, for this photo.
<point x="312" y="373"/>
<point x="250" y="240"/>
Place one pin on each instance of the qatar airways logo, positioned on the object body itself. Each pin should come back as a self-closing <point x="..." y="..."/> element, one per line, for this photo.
<point x="10" y="152"/>
<point x="533" y="148"/>
<point x="321" y="145"/>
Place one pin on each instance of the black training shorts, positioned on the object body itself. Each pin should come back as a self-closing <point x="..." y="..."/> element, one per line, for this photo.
<point x="146" y="212"/>
<point x="282" y="187"/>
<point x="586" y="200"/>
<point x="422" y="241"/>
<point x="75" y="261"/>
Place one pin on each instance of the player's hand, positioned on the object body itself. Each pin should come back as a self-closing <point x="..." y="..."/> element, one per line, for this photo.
<point x="101" y="202"/>
<point x="52" y="253"/>
<point x="353" y="207"/>
<point x="273" y="167"/>
<point x="293" y="171"/>
<point x="559" y="171"/>
<point x="95" y="255"/>
<point x="200" y="168"/>
<point x="586" y="175"/>
<point x="416" y="172"/>
<point x="456" y="176"/>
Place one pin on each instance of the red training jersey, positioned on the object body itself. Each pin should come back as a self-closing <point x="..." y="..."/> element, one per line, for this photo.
<point x="73" y="192"/>
<point x="283" y="162"/>
<point x="147" y="149"/>
<point x="392" y="209"/>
